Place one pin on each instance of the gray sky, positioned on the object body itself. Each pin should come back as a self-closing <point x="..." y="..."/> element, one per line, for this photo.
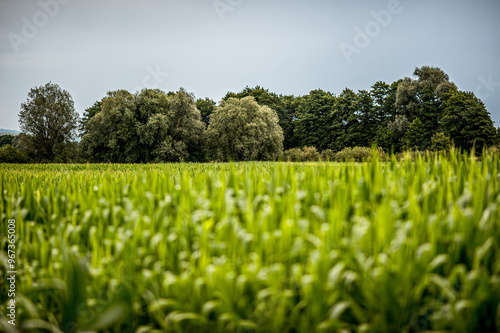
<point x="211" y="47"/>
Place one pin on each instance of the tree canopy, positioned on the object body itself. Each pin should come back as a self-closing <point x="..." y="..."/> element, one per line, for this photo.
<point x="6" y="139"/>
<point x="424" y="112"/>
<point x="49" y="118"/>
<point x="243" y="130"/>
<point x="466" y="121"/>
<point x="282" y="105"/>
<point x="150" y="126"/>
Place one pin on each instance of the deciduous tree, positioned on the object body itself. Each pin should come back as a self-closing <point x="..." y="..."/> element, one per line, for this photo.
<point x="6" y="139"/>
<point x="243" y="130"/>
<point x="284" y="107"/>
<point x="48" y="115"/>
<point x="206" y="107"/>
<point x="422" y="97"/>
<point x="466" y="121"/>
<point x="150" y="126"/>
<point x="318" y="124"/>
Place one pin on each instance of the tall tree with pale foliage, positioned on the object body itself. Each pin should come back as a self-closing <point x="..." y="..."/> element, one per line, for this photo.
<point x="243" y="130"/>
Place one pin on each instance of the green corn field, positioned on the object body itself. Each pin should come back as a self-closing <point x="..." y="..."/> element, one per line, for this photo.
<point x="393" y="246"/>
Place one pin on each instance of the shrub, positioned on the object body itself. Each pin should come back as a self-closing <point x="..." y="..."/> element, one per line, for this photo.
<point x="306" y="154"/>
<point x="292" y="155"/>
<point x="309" y="154"/>
<point x="358" y="154"/>
<point x="412" y="155"/>
<point x="440" y="142"/>
<point x="328" y="155"/>
<point x="6" y="139"/>
<point x="493" y="150"/>
<point x="9" y="154"/>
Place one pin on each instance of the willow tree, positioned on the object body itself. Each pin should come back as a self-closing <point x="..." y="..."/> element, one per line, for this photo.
<point x="243" y="130"/>
<point x="149" y="126"/>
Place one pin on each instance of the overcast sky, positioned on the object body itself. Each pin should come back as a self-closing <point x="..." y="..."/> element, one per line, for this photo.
<point x="212" y="47"/>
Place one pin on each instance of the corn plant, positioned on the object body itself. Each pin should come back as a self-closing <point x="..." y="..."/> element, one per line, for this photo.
<point x="395" y="246"/>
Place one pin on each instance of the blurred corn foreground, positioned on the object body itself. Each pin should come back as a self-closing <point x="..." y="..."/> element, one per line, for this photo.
<point x="408" y="246"/>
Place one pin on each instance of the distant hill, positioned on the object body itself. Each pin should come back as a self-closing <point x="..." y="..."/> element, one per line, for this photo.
<point x="8" y="131"/>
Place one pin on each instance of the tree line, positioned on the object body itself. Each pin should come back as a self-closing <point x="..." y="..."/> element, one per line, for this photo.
<point x="426" y="112"/>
